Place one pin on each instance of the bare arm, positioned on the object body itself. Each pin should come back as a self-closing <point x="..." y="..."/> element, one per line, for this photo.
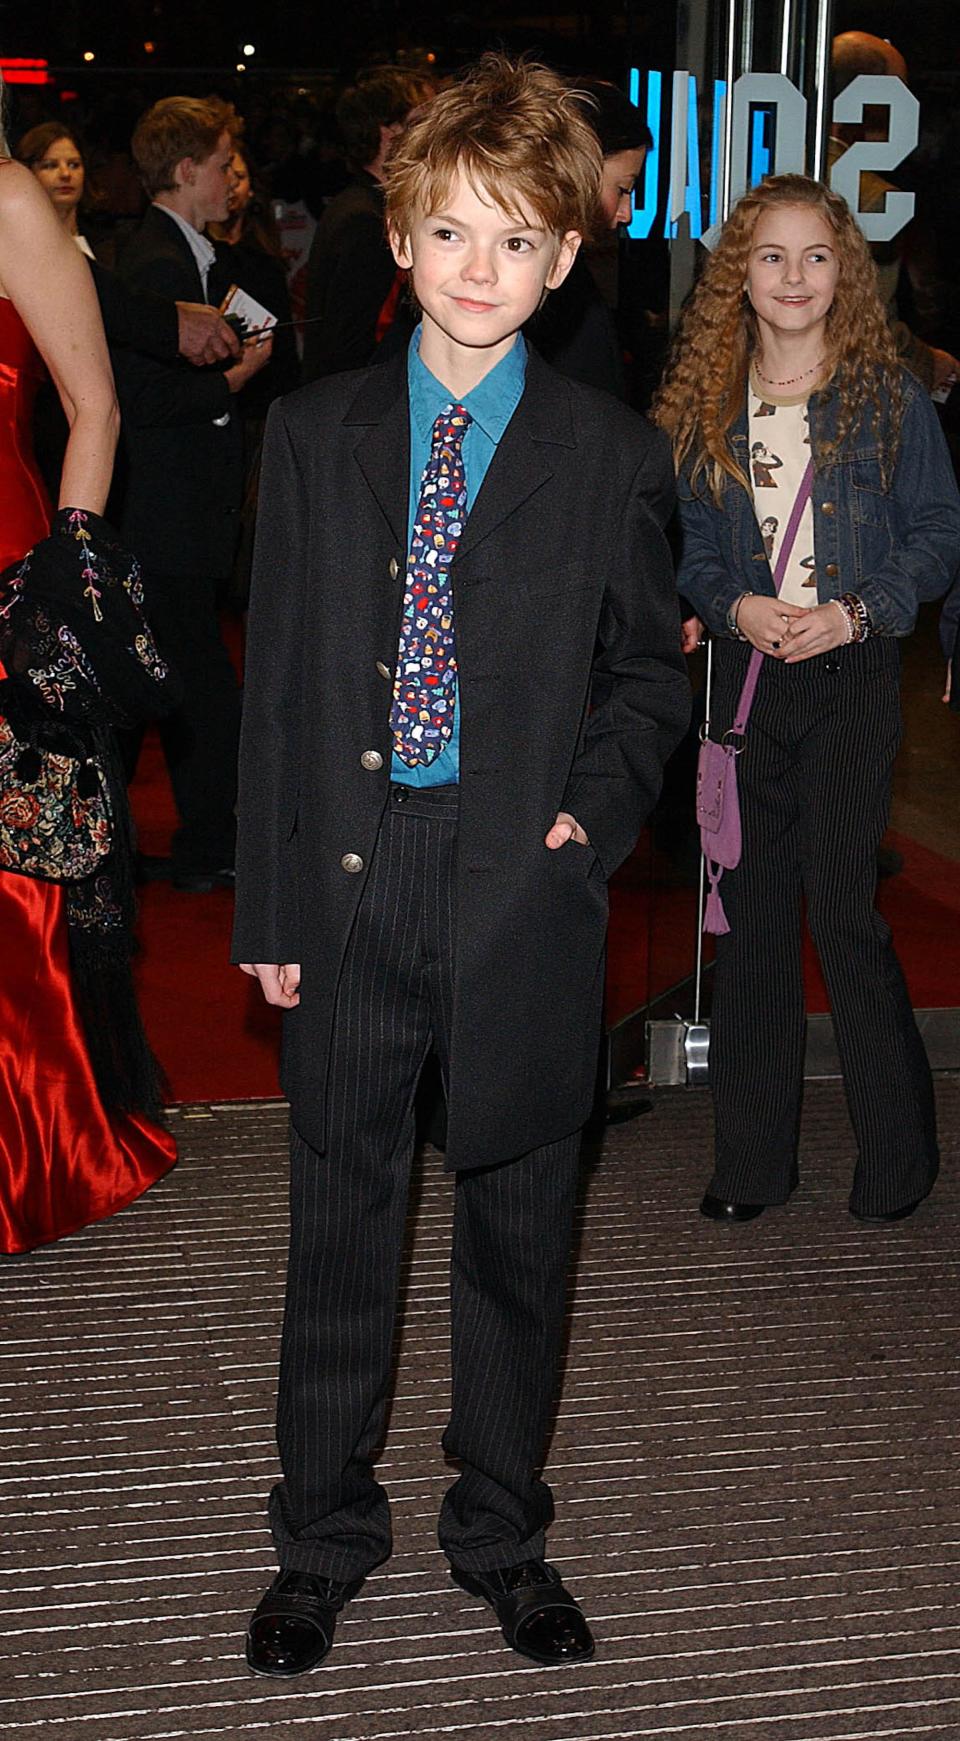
<point x="49" y="283"/>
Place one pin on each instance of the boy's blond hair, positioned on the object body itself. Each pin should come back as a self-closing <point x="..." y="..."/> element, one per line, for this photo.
<point x="517" y="132"/>
<point x="175" y="128"/>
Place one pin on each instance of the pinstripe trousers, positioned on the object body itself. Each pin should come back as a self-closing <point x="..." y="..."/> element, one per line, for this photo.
<point x="511" y="1244"/>
<point x="814" y="784"/>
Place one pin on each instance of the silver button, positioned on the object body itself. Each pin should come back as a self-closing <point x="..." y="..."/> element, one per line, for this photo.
<point x="384" y="670"/>
<point x="372" y="760"/>
<point x="352" y="862"/>
<point x="394" y="568"/>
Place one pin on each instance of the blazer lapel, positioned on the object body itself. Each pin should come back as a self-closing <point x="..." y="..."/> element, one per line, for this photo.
<point x="526" y="457"/>
<point x="381" y="413"/>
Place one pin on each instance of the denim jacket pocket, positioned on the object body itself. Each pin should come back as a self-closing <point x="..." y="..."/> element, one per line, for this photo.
<point x="869" y="500"/>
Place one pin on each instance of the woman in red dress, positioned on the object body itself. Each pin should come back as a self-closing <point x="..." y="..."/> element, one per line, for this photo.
<point x="67" y="1157"/>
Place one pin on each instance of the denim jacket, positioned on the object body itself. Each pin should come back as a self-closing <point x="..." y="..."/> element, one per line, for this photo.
<point x="894" y="549"/>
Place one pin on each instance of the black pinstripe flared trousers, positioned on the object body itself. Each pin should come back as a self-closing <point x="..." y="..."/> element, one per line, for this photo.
<point x="814" y="783"/>
<point x="511" y="1244"/>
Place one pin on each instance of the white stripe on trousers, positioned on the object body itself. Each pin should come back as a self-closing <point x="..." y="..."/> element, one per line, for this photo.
<point x="512" y="1232"/>
<point x="814" y="784"/>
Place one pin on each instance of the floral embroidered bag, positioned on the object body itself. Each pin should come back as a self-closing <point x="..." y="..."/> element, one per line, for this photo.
<point x="55" y="820"/>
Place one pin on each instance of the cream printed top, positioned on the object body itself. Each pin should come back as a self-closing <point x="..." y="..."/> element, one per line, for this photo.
<point x="779" y="441"/>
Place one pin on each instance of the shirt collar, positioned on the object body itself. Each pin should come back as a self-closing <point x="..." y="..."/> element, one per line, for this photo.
<point x="202" y="250"/>
<point x="491" y="403"/>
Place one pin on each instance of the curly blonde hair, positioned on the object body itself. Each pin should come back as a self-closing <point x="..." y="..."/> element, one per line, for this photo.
<point x="703" y="389"/>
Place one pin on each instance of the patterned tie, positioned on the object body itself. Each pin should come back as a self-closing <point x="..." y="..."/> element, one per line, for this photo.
<point x="425" y="691"/>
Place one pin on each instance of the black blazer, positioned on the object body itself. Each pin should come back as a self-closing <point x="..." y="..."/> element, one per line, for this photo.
<point x="182" y="473"/>
<point x="350" y="274"/>
<point x="135" y="321"/>
<point x="563" y="574"/>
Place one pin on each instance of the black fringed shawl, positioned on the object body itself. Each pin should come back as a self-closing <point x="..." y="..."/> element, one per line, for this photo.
<point x="79" y="660"/>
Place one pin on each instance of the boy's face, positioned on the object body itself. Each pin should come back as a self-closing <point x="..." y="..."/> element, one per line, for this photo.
<point x="477" y="273"/>
<point x="210" y="181"/>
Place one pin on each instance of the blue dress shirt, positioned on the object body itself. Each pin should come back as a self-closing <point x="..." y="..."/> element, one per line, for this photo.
<point x="491" y="405"/>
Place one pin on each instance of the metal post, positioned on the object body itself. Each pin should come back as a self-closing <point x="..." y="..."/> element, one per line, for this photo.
<point x="819" y="90"/>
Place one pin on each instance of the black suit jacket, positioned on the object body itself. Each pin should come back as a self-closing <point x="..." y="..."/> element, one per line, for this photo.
<point x="575" y="332"/>
<point x="182" y="477"/>
<point x="562" y="575"/>
<point x="349" y="277"/>
<point x="133" y="320"/>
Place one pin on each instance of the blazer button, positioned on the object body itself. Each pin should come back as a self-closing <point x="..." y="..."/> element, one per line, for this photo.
<point x="372" y="760"/>
<point x="394" y="568"/>
<point x="384" y="670"/>
<point x="828" y="507"/>
<point x="352" y="862"/>
<point x="831" y="569"/>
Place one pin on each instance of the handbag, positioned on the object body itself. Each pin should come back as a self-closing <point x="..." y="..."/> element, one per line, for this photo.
<point x="55" y="816"/>
<point x="718" y="804"/>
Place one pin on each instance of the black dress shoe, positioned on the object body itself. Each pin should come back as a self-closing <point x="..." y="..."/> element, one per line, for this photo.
<point x="201" y="882"/>
<point x="540" y="1619"/>
<point x="890" y="1215"/>
<point x="722" y="1209"/>
<point x="291" y="1629"/>
<point x="717" y="1209"/>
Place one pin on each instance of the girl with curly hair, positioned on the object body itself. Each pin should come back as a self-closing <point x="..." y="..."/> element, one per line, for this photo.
<point x="784" y="351"/>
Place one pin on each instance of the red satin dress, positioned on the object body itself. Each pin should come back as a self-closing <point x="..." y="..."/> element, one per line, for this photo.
<point x="64" y="1160"/>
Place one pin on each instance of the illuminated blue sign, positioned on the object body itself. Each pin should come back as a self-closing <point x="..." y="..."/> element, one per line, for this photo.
<point x="768" y="135"/>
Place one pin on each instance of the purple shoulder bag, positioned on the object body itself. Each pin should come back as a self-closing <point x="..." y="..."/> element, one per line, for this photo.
<point x="718" y="807"/>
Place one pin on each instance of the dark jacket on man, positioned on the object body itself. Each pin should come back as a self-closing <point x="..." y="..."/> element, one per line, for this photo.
<point x="350" y="275"/>
<point x="183" y="465"/>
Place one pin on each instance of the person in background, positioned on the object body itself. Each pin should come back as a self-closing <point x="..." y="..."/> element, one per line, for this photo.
<point x="155" y="325"/>
<point x="853" y="53"/>
<point x="183" y="486"/>
<point x="56" y="159"/>
<point x="249" y="251"/>
<point x="78" y="1088"/>
<point x="575" y="331"/>
<point x="352" y="279"/>
<point x="786" y="339"/>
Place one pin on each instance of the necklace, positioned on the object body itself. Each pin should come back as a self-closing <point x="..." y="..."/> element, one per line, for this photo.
<point x="791" y="380"/>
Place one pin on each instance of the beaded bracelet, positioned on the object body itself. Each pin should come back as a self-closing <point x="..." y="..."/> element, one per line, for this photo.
<point x="855" y="611"/>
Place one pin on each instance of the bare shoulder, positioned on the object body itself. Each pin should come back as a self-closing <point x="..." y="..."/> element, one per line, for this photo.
<point x="20" y="192"/>
<point x="28" y="223"/>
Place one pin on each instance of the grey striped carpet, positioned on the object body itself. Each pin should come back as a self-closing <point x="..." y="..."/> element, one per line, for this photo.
<point x="755" y="1464"/>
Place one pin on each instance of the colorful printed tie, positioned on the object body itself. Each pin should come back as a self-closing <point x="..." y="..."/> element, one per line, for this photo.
<point x="425" y="691"/>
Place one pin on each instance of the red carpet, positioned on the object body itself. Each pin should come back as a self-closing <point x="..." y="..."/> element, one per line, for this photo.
<point x="652" y="943"/>
<point x="217" y="1039"/>
<point x="207" y="1021"/>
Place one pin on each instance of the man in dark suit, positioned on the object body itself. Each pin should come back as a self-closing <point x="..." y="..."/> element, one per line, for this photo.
<point x="183" y="473"/>
<point x="452" y="546"/>
<point x="352" y="278"/>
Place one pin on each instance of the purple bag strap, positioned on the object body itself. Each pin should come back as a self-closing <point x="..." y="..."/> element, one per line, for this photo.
<point x="783" y="557"/>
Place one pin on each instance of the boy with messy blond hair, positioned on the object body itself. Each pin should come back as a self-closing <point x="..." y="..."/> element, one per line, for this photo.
<point x="463" y="680"/>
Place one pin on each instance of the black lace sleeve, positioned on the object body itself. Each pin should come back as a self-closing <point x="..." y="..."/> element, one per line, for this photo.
<point x="74" y="636"/>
